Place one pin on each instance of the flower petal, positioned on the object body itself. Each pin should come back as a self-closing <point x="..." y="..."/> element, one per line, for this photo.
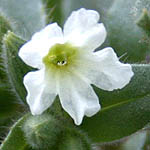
<point x="39" y="95"/>
<point x="33" y="51"/>
<point x="94" y="37"/>
<point x="78" y="98"/>
<point x="50" y="31"/>
<point x="81" y="19"/>
<point x="107" y="72"/>
<point x="82" y="29"/>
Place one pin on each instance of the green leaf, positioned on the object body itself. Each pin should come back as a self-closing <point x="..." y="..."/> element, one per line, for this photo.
<point x="53" y="10"/>
<point x="14" y="67"/>
<point x="124" y="35"/>
<point x="26" y="16"/>
<point x="4" y="27"/>
<point x="144" y="21"/>
<point x="137" y="141"/>
<point x="123" y="111"/>
<point x="15" y="139"/>
<point x="8" y="105"/>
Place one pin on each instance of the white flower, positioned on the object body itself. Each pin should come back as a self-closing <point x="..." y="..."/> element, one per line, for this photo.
<point x="67" y="66"/>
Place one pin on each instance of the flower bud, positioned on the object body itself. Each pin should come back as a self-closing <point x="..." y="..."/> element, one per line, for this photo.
<point x="46" y="132"/>
<point x="73" y="139"/>
<point x="42" y="131"/>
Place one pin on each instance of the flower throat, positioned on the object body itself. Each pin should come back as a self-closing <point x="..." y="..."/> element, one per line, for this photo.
<point x="60" y="56"/>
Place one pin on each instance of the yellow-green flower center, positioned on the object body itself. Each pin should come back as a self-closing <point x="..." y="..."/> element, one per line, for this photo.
<point x="60" y="56"/>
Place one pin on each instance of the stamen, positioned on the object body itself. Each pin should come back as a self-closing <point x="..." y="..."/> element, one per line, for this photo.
<point x="61" y="63"/>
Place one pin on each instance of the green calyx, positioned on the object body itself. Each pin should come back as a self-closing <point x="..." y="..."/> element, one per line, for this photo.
<point x="47" y="132"/>
<point x="60" y="56"/>
<point x="42" y="132"/>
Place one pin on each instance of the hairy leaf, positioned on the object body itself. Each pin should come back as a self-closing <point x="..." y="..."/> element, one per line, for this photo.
<point x="26" y="16"/>
<point x="14" y="67"/>
<point x="15" y="139"/>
